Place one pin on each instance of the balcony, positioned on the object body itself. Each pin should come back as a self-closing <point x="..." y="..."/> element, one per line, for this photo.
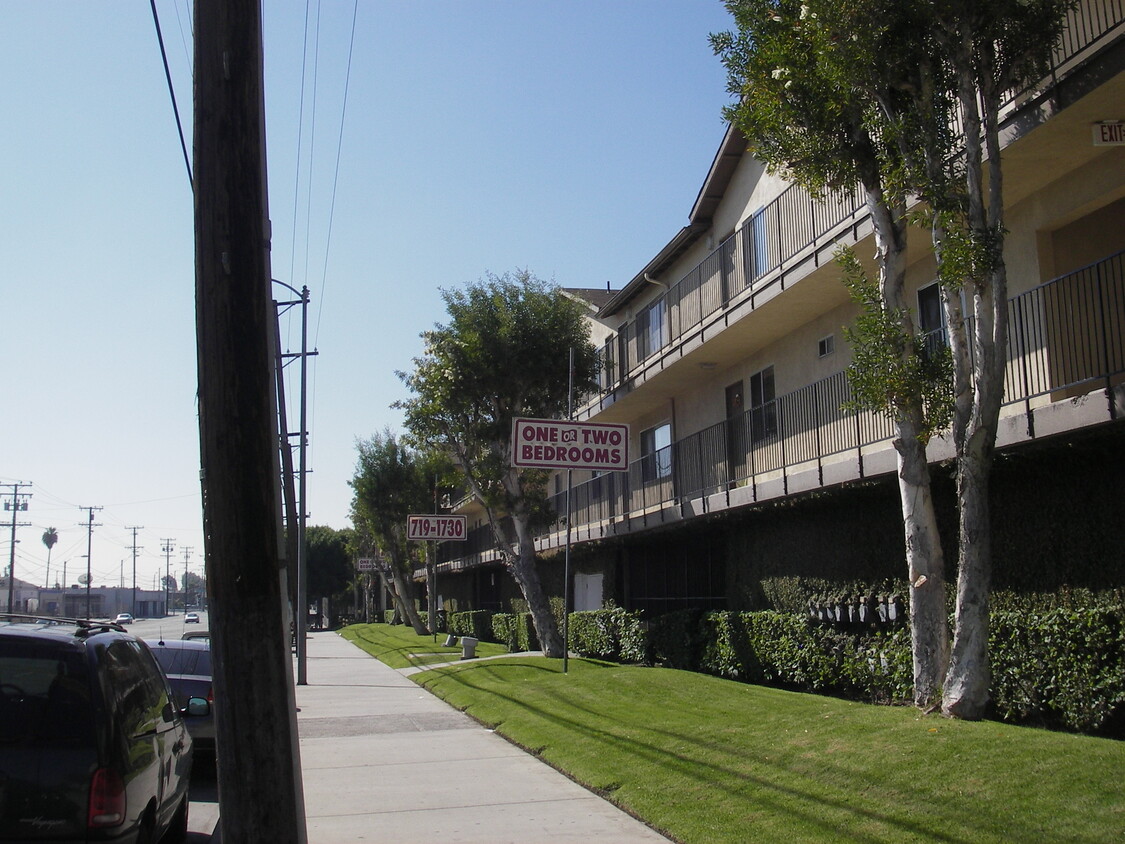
<point x="797" y="233"/>
<point x="1065" y="371"/>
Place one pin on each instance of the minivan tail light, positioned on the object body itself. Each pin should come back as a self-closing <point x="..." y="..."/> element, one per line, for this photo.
<point x="107" y="799"/>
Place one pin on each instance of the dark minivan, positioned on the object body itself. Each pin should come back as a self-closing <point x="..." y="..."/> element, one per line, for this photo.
<point x="92" y="745"/>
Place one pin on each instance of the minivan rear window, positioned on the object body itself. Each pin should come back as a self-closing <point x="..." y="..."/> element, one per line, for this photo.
<point x="179" y="660"/>
<point x="44" y="695"/>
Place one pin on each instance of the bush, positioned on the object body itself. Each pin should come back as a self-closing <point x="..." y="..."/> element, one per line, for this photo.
<point x="1060" y="668"/>
<point x="676" y="640"/>
<point x="475" y="623"/>
<point x="612" y="634"/>
<point x="504" y="630"/>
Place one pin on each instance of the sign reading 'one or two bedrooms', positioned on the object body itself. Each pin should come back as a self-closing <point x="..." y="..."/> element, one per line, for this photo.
<point x="557" y="444"/>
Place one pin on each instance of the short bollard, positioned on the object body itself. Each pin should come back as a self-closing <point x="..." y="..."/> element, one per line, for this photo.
<point x="450" y="641"/>
<point x="468" y="647"/>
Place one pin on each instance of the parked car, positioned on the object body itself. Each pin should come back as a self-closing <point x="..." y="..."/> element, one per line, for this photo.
<point x="92" y="744"/>
<point x="124" y="618"/>
<point x="191" y="618"/>
<point x="197" y="634"/>
<point x="187" y="664"/>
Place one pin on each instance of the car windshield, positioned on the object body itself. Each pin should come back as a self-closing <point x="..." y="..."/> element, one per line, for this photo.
<point x="44" y="695"/>
<point x="176" y="660"/>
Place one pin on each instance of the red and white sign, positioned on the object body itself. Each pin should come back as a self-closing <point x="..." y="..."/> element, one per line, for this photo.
<point x="1109" y="133"/>
<point x="557" y="444"/>
<point x="441" y="528"/>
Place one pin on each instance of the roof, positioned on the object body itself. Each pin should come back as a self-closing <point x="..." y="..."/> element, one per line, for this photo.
<point x="595" y="296"/>
<point x="714" y="188"/>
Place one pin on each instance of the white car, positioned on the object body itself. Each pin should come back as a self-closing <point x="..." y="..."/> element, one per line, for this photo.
<point x="124" y="618"/>
<point x="191" y="618"/>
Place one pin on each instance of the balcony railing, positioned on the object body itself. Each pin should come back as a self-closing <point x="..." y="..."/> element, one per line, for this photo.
<point x="1066" y="338"/>
<point x="783" y="235"/>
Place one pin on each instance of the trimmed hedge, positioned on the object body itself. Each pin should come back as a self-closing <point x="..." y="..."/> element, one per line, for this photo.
<point x="516" y="631"/>
<point x="1062" y="668"/>
<point x="475" y="623"/>
<point x="612" y="634"/>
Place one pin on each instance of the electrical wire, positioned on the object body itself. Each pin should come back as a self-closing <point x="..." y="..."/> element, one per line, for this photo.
<point x="172" y="92"/>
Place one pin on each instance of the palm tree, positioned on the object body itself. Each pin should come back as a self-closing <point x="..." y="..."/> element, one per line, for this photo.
<point x="50" y="537"/>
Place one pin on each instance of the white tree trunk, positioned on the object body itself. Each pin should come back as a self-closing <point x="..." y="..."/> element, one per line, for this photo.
<point x="929" y="626"/>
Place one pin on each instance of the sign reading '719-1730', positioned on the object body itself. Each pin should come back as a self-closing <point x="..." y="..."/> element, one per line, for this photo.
<point x="440" y="528"/>
<point x="557" y="444"/>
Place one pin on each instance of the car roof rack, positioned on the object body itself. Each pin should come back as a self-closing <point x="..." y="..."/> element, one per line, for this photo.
<point x="84" y="626"/>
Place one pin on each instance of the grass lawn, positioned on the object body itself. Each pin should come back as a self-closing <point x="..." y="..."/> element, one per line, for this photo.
<point x="710" y="760"/>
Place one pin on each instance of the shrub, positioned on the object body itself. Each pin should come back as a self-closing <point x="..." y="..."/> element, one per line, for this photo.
<point x="676" y="639"/>
<point x="1060" y="668"/>
<point x="504" y="630"/>
<point x="612" y="634"/>
<point x="475" y="623"/>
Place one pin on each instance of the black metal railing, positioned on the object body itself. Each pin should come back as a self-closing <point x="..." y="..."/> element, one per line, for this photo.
<point x="781" y="236"/>
<point x="1066" y="338"/>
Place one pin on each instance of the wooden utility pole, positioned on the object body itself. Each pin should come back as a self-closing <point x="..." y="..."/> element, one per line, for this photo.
<point x="260" y="790"/>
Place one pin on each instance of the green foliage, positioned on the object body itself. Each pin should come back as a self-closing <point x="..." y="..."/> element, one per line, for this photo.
<point x="391" y="481"/>
<point x="329" y="561"/>
<point x="676" y="639"/>
<point x="475" y="623"/>
<point x="613" y="634"/>
<point x="1060" y="668"/>
<point x="504" y="630"/>
<point x="516" y="630"/>
<point x="893" y="371"/>
<point x="503" y="354"/>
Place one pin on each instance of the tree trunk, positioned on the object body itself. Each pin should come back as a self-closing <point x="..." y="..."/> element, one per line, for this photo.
<point x="966" y="691"/>
<point x="929" y="625"/>
<point x="404" y="589"/>
<point x="527" y="576"/>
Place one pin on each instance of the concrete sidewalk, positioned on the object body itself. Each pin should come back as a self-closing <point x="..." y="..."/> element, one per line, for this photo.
<point x="385" y="760"/>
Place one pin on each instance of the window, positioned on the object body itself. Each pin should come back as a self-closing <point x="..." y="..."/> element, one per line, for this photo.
<point x="656" y="334"/>
<point x="763" y="409"/>
<point x="931" y="317"/>
<point x="756" y="245"/>
<point x="826" y="346"/>
<point x="656" y="452"/>
<point x="606" y="365"/>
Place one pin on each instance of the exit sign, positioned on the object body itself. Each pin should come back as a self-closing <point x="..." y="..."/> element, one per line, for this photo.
<point x="1109" y="133"/>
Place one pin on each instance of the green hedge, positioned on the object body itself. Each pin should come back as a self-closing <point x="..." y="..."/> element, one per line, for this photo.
<point x="1061" y="668"/>
<point x="516" y="631"/>
<point x="475" y="623"/>
<point x="612" y="634"/>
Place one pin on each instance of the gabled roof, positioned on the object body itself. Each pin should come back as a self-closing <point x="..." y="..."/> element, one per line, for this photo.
<point x="592" y="295"/>
<point x="710" y="195"/>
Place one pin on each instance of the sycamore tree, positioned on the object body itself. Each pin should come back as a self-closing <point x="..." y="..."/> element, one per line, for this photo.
<point x="503" y="354"/>
<point x="988" y="49"/>
<point x="927" y="79"/>
<point x="329" y="562"/>
<point x="389" y="484"/>
<point x="805" y="88"/>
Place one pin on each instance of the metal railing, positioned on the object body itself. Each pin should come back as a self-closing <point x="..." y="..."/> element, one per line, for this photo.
<point x="1066" y="338"/>
<point x="783" y="234"/>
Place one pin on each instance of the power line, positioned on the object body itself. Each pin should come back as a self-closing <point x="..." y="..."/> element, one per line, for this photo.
<point x="172" y="92"/>
<point x="16" y="505"/>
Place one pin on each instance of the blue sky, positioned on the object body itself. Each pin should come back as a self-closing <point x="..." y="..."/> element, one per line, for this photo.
<point x="569" y="138"/>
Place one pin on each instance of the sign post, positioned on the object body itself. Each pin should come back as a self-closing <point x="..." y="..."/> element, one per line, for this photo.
<point x="562" y="444"/>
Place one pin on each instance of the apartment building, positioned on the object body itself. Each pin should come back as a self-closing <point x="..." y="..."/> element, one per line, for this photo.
<point x="725" y="356"/>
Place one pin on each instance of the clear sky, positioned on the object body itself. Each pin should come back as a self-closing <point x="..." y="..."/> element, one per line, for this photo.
<point x="568" y="137"/>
